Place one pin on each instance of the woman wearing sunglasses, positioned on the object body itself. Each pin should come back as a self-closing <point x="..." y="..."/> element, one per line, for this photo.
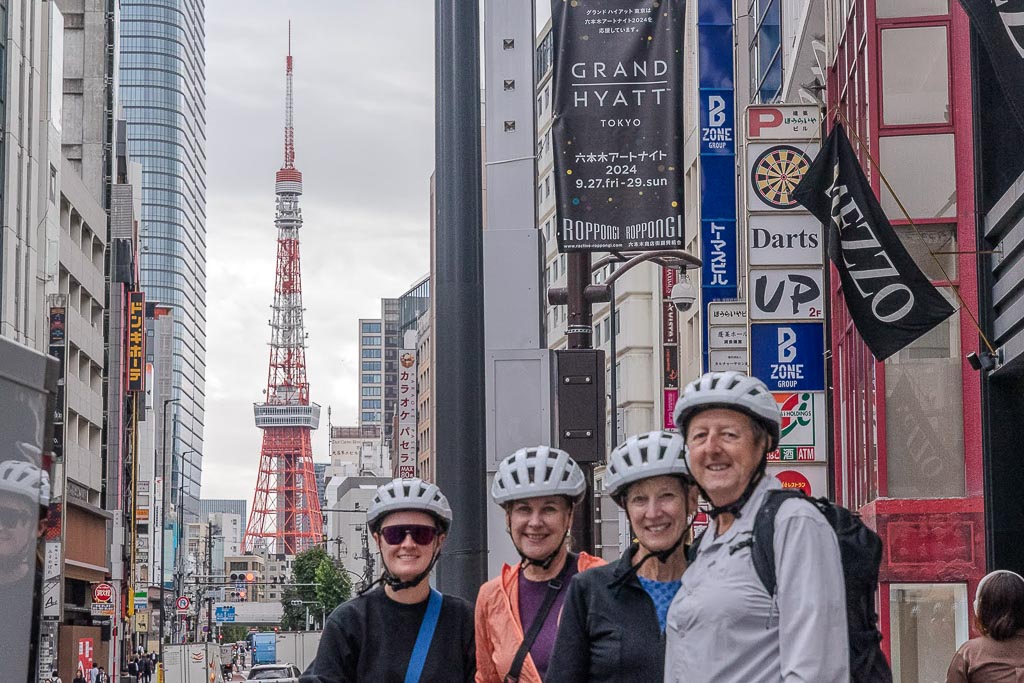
<point x="405" y="630"/>
<point x="613" y="622"/>
<point x="517" y="612"/>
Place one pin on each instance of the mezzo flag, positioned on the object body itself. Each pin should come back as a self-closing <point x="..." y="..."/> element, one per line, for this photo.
<point x="1000" y="25"/>
<point x="891" y="301"/>
<point x="617" y="135"/>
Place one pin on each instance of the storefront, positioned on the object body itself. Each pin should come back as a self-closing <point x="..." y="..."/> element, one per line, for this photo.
<point x="907" y="431"/>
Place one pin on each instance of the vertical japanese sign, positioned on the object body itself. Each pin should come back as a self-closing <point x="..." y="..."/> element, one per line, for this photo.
<point x="669" y="345"/>
<point x="406" y="439"/>
<point x="58" y="349"/>
<point x="136" y="356"/>
<point x="715" y="87"/>
<point x="617" y="134"/>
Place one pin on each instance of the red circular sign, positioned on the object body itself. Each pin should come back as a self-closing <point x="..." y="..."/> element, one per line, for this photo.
<point x="182" y="603"/>
<point x="103" y="592"/>
<point x="791" y="479"/>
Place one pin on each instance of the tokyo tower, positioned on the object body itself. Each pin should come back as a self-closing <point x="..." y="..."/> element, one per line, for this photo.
<point x="286" y="517"/>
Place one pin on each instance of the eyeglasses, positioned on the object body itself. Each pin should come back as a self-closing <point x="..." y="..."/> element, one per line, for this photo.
<point x="421" y="534"/>
<point x="11" y="517"/>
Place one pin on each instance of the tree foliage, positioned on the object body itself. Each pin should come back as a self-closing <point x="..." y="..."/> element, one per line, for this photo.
<point x="332" y="587"/>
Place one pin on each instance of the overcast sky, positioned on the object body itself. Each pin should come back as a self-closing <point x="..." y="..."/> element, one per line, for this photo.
<point x="364" y="141"/>
<point x="364" y="98"/>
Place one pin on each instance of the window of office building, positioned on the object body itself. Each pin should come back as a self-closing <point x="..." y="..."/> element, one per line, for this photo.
<point x="371" y="341"/>
<point x="371" y="403"/>
<point x="371" y="391"/>
<point x="915" y="76"/>
<point x="371" y="379"/>
<point x="924" y="435"/>
<point x="891" y="9"/>
<point x="919" y="169"/>
<point x="371" y="353"/>
<point x="371" y="365"/>
<point x="371" y="328"/>
<point x="928" y="622"/>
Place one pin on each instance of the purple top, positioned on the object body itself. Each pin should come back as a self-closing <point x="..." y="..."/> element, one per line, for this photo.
<point x="531" y="595"/>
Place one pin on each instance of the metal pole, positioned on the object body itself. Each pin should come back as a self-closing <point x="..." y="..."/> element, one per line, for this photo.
<point x="459" y="284"/>
<point x="613" y="373"/>
<point x="163" y="524"/>
<point x="580" y="335"/>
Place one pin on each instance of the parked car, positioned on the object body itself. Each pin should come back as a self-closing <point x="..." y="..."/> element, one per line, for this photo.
<point x="275" y="673"/>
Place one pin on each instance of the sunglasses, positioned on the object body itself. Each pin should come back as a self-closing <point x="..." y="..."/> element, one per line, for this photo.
<point x="10" y="518"/>
<point x="421" y="534"/>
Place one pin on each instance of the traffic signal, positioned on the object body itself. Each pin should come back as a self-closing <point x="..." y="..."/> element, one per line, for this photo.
<point x="250" y="577"/>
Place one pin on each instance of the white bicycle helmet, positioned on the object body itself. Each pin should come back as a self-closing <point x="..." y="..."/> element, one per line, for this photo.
<point x="409" y="494"/>
<point x="643" y="456"/>
<point x="732" y="390"/>
<point x="25" y="479"/>
<point x="535" y="472"/>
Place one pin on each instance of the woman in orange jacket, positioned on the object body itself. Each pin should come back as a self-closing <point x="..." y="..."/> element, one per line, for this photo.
<point x="517" y="612"/>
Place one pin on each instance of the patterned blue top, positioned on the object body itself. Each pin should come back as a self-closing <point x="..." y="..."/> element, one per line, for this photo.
<point x="661" y="593"/>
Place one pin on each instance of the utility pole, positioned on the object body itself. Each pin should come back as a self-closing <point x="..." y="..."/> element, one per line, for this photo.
<point x="163" y="536"/>
<point x="459" y="374"/>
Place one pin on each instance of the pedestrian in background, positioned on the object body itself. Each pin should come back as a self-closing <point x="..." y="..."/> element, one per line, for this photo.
<point x="146" y="666"/>
<point x="55" y="678"/>
<point x="997" y="656"/>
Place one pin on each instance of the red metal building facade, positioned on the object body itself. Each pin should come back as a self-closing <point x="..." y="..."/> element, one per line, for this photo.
<point x="907" y="432"/>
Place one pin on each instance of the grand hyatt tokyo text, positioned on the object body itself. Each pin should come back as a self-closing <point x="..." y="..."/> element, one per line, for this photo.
<point x="670" y="227"/>
<point x="628" y="83"/>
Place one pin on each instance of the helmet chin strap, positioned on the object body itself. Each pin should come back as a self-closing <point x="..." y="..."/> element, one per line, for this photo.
<point x="735" y="507"/>
<point x="397" y="584"/>
<point x="545" y="562"/>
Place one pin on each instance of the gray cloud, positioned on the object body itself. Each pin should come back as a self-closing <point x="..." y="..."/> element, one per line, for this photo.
<point x="364" y="89"/>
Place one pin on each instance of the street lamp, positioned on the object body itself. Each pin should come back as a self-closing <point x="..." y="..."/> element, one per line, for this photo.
<point x="179" y="561"/>
<point x="163" y="524"/>
<point x="578" y="296"/>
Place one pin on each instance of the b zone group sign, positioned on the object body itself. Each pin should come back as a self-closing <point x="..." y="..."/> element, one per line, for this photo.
<point x="788" y="356"/>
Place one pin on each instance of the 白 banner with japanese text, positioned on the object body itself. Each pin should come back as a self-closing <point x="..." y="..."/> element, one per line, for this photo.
<point x="618" y="124"/>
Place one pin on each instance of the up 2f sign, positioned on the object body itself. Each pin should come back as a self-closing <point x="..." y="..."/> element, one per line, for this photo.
<point x="791" y="122"/>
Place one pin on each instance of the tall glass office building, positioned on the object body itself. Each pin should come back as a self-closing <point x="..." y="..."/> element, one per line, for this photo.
<point x="163" y="92"/>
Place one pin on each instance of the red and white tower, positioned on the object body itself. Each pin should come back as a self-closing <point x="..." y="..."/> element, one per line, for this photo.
<point x="286" y="516"/>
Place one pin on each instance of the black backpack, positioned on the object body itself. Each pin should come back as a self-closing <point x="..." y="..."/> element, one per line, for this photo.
<point x="861" y="551"/>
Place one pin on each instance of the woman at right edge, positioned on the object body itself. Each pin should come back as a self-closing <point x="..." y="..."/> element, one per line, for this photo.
<point x="613" y="622"/>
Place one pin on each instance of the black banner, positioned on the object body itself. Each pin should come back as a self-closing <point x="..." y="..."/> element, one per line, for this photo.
<point x="891" y="301"/>
<point x="1000" y="25"/>
<point x="617" y="135"/>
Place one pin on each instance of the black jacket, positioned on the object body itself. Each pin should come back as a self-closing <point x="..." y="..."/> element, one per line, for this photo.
<point x="608" y="630"/>
<point x="370" y="638"/>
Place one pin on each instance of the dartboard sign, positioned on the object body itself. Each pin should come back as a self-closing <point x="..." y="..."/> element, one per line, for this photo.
<point x="775" y="171"/>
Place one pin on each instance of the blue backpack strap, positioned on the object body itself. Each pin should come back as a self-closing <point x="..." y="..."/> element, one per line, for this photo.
<point x="426" y="634"/>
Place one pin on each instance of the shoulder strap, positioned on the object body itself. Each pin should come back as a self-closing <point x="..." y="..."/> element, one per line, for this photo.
<point x="426" y="634"/>
<point x="763" y="550"/>
<point x="691" y="550"/>
<point x="554" y="585"/>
